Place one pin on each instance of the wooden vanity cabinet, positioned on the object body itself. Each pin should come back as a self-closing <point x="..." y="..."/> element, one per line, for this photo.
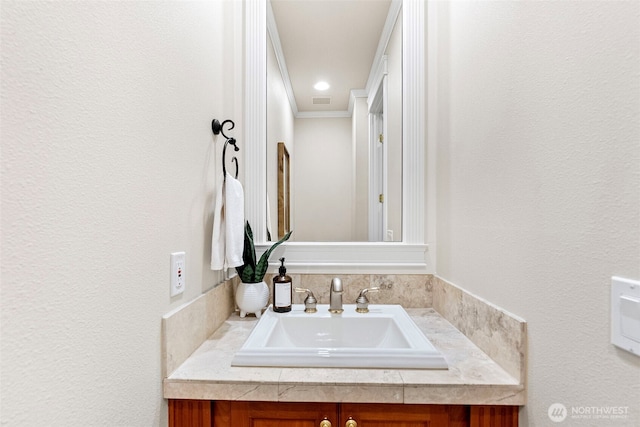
<point x="203" y="413"/>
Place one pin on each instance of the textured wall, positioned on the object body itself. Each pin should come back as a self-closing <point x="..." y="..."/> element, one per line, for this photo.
<point x="107" y="167"/>
<point x="538" y="183"/>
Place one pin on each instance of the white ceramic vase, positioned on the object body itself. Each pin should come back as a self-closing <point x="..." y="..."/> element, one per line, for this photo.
<point x="252" y="298"/>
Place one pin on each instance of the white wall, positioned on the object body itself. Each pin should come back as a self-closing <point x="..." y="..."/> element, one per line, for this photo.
<point x="538" y="183"/>
<point x="107" y="166"/>
<point x="280" y="122"/>
<point x="322" y="206"/>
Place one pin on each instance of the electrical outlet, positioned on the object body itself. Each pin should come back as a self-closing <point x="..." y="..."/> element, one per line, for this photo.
<point x="178" y="278"/>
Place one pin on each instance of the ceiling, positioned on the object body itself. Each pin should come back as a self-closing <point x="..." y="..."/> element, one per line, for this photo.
<point x="330" y="40"/>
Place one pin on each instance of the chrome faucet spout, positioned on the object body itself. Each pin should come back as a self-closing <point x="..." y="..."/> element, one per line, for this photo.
<point x="335" y="296"/>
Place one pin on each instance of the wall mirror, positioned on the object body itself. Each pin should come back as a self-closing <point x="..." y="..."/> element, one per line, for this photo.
<point x="346" y="136"/>
<point x="410" y="253"/>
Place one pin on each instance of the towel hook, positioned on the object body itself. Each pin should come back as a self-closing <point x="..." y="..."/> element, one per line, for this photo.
<point x="217" y="128"/>
<point x="231" y="141"/>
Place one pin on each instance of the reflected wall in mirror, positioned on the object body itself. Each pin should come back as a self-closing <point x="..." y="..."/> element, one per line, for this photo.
<point x="345" y="141"/>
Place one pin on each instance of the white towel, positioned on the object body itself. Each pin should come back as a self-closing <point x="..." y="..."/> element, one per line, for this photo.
<point x="218" y="234"/>
<point x="227" y="240"/>
<point x="234" y="219"/>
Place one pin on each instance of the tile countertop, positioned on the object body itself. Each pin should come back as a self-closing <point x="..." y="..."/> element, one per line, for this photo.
<point x="472" y="378"/>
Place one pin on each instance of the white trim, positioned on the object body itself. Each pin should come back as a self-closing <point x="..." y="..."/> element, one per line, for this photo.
<point x="255" y="118"/>
<point x="385" y="156"/>
<point x="272" y="28"/>
<point x="413" y="117"/>
<point x="385" y="36"/>
<point x="355" y="93"/>
<point x="432" y="119"/>
<point x="351" y="257"/>
<point x="409" y="256"/>
<point x="376" y="78"/>
<point x="376" y="216"/>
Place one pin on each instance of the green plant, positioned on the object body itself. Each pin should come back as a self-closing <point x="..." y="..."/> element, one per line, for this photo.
<point x="252" y="272"/>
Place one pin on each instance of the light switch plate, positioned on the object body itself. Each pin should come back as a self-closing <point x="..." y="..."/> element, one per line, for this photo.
<point x="625" y="314"/>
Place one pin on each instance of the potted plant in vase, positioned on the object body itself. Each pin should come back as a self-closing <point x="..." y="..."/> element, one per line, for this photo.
<point x="252" y="294"/>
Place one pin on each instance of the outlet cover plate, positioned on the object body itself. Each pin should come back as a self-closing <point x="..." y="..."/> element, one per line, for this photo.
<point x="625" y="314"/>
<point x="178" y="277"/>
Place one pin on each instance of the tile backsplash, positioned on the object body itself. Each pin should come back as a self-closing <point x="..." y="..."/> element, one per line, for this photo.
<point x="408" y="290"/>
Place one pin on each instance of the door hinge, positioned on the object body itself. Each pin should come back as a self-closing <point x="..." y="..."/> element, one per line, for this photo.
<point x="381" y="198"/>
<point x="381" y="138"/>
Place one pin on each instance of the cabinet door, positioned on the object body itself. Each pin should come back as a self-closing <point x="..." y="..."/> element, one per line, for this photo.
<point x="192" y="413"/>
<point x="273" y="414"/>
<point x="386" y="415"/>
<point x="494" y="416"/>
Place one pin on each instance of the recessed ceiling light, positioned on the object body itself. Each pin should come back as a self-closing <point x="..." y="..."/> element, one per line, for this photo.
<point x="321" y="86"/>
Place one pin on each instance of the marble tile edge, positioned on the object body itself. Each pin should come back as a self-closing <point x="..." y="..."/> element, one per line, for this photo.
<point x="512" y="382"/>
<point x="480" y="299"/>
<point x="176" y="350"/>
<point x="206" y="390"/>
<point x="372" y="393"/>
<point x="451" y="300"/>
<point x="207" y="382"/>
<point x="290" y="385"/>
<point x="474" y="395"/>
<point x="418" y="394"/>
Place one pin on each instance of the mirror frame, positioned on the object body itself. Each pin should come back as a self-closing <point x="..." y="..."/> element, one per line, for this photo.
<point x="409" y="256"/>
<point x="284" y="191"/>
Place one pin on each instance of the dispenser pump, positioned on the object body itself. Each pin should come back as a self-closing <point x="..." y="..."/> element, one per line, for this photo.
<point x="282" y="290"/>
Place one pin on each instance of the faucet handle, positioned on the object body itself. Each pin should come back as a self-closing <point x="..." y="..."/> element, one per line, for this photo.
<point x="362" y="302"/>
<point x="309" y="302"/>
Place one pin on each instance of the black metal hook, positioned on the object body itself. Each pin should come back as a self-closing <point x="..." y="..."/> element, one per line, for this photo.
<point x="231" y="141"/>
<point x="217" y="128"/>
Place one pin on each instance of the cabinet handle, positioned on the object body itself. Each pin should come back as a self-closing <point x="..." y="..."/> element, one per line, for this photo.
<point x="351" y="423"/>
<point x="325" y="423"/>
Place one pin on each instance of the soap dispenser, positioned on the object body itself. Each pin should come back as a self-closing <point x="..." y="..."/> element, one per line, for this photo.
<point x="282" y="290"/>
